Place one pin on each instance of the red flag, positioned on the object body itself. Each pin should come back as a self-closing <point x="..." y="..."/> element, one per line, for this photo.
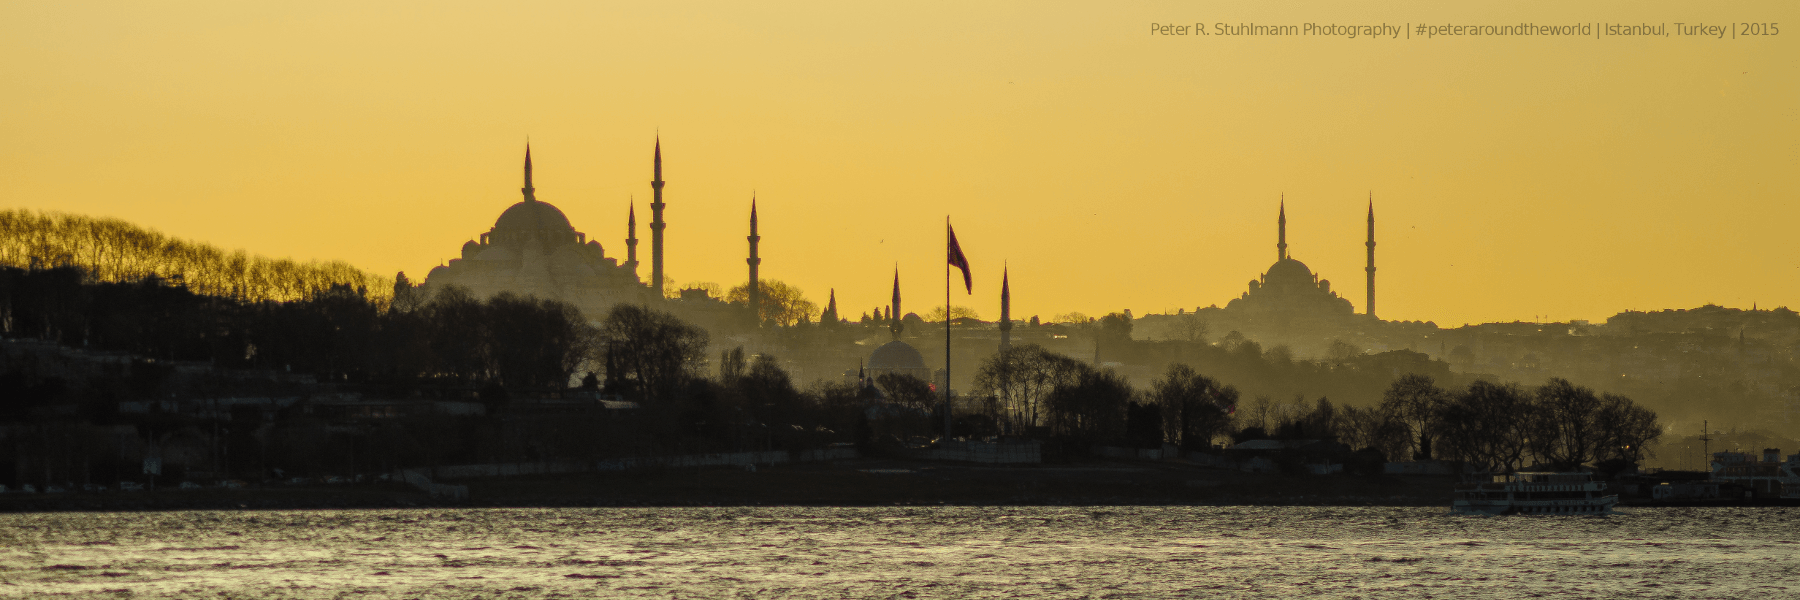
<point x="959" y="261"/>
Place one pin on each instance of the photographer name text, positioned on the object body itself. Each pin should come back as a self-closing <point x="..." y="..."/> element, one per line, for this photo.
<point x="1731" y="30"/>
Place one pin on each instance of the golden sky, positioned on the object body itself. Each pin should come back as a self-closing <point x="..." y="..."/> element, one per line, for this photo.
<point x="1513" y="178"/>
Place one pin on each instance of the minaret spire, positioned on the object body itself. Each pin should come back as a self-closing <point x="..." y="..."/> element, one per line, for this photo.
<point x="631" y="239"/>
<point x="894" y="322"/>
<point x="1281" y="229"/>
<point x="1005" y="310"/>
<point x="528" y="190"/>
<point x="656" y="224"/>
<point x="1369" y="308"/>
<point x="755" y="288"/>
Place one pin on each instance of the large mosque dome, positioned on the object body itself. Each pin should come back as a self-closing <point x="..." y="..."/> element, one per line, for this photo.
<point x="899" y="358"/>
<point x="896" y="355"/>
<point x="532" y="215"/>
<point x="1288" y="270"/>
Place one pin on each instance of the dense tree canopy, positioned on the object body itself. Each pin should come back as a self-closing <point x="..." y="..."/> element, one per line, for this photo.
<point x="780" y="304"/>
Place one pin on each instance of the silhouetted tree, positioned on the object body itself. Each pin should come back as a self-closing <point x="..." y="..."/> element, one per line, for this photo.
<point x="1190" y="327"/>
<point x="732" y="365"/>
<point x="907" y="390"/>
<point x="1021" y="377"/>
<point x="780" y="304"/>
<point x="454" y="333"/>
<point x="1487" y="425"/>
<point x="1376" y="429"/>
<point x="1090" y="407"/>
<point x="536" y="343"/>
<point x="1143" y="425"/>
<point x="1195" y="408"/>
<point x="649" y="354"/>
<point x="1415" y="400"/>
<point x="1626" y="430"/>
<point x="1564" y="430"/>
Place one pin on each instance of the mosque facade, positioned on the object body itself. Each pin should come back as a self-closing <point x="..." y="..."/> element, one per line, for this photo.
<point x="1290" y="289"/>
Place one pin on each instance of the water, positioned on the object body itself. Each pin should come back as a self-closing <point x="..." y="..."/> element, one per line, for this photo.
<point x="949" y="552"/>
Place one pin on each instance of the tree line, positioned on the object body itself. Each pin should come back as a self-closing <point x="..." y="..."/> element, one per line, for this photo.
<point x="116" y="251"/>
<point x="509" y="342"/>
<point x="338" y="333"/>
<point x="1494" y="427"/>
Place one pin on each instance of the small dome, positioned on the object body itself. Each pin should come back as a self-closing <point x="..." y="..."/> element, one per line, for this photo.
<point x="532" y="216"/>
<point x="470" y="249"/>
<point x="896" y="355"/>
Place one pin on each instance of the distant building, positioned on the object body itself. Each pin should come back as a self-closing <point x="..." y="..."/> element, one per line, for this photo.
<point x="898" y="357"/>
<point x="533" y="250"/>
<point x="1290" y="289"/>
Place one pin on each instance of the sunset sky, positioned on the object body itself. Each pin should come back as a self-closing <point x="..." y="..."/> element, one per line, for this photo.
<point x="1513" y="178"/>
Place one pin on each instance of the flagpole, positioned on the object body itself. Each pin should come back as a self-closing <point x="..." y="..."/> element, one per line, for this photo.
<point x="946" y="333"/>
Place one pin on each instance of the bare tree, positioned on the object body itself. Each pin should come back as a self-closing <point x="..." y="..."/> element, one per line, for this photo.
<point x="1374" y="427"/>
<point x="1486" y="426"/>
<point x="1565" y="430"/>
<point x="1195" y="407"/>
<point x="1021" y="378"/>
<point x="956" y="312"/>
<point x="907" y="390"/>
<point x="1626" y="430"/>
<point x="1190" y="327"/>
<point x="1415" y="400"/>
<point x="649" y="354"/>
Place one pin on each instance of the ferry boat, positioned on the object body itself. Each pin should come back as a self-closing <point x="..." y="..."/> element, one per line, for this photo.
<point x="1535" y="494"/>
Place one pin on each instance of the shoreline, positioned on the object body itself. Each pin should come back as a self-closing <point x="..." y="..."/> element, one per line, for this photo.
<point x="843" y="483"/>
<point x="857" y="482"/>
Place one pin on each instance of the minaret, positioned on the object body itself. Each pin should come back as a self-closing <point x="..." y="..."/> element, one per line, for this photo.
<point x="1370" y="307"/>
<point x="631" y="240"/>
<point x="1005" y="311"/>
<point x="1281" y="228"/>
<point x="530" y="196"/>
<point x="755" y="261"/>
<point x="894" y="323"/>
<point x="657" y="225"/>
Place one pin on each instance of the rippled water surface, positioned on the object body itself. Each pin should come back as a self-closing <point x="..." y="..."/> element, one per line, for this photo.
<point x="954" y="552"/>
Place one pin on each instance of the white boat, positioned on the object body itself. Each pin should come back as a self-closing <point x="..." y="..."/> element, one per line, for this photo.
<point x="1535" y="494"/>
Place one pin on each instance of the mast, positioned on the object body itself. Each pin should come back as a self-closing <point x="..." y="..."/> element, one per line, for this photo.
<point x="947" y="405"/>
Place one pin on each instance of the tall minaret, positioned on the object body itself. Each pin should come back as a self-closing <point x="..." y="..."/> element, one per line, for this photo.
<point x="657" y="225"/>
<point x="1005" y="311"/>
<point x="1281" y="228"/>
<point x="755" y="261"/>
<point x="631" y="261"/>
<point x="530" y="196"/>
<point x="1370" y="307"/>
<point x="894" y="322"/>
